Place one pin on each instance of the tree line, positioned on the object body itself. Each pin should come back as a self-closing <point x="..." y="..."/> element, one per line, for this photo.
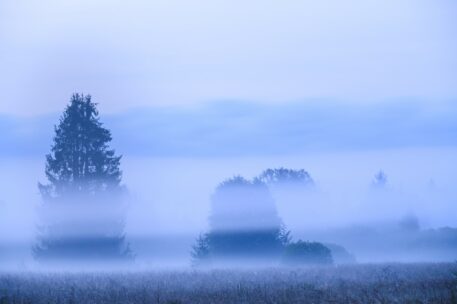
<point x="82" y="216"/>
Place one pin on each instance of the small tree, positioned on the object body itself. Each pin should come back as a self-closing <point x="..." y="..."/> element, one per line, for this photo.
<point x="82" y="212"/>
<point x="201" y="252"/>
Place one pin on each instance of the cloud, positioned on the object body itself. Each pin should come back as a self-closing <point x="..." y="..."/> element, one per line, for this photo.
<point x="233" y="128"/>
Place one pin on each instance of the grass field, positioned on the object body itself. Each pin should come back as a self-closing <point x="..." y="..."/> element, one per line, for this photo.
<point x="364" y="283"/>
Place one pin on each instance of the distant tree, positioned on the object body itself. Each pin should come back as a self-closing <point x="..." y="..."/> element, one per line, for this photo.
<point x="409" y="223"/>
<point x="340" y="255"/>
<point x="243" y="223"/>
<point x="82" y="212"/>
<point x="307" y="253"/>
<point x="201" y="251"/>
<point x="285" y="176"/>
<point x="379" y="180"/>
<point x="240" y="204"/>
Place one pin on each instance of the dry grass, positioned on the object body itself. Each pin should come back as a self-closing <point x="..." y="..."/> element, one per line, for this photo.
<point x="377" y="283"/>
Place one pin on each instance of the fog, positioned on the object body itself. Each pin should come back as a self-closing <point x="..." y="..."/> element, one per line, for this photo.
<point x="200" y="94"/>
<point x="169" y="201"/>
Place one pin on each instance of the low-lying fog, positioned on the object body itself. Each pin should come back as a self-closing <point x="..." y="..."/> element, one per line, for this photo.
<point x="174" y="158"/>
<point x="343" y="90"/>
<point x="169" y="201"/>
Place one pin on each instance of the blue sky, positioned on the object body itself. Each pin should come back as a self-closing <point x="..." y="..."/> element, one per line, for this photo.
<point x="140" y="53"/>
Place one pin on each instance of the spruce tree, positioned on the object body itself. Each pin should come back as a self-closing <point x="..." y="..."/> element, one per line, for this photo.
<point x="82" y="215"/>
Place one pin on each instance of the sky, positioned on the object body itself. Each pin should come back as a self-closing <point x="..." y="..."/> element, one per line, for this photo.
<point x="160" y="53"/>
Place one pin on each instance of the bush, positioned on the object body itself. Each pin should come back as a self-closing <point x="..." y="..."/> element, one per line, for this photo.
<point x="340" y="255"/>
<point x="307" y="253"/>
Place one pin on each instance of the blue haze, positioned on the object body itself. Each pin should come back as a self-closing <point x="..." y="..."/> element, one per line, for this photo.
<point x="234" y="128"/>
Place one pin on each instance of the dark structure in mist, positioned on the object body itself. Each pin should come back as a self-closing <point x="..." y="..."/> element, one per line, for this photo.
<point x="307" y="253"/>
<point x="82" y="216"/>
<point x="340" y="255"/>
<point x="245" y="224"/>
<point x="283" y="176"/>
<point x="379" y="180"/>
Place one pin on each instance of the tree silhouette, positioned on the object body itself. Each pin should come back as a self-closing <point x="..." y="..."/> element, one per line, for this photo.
<point x="379" y="180"/>
<point x="283" y="176"/>
<point x="201" y="252"/>
<point x="83" y="212"/>
<point x="306" y="253"/>
<point x="243" y="224"/>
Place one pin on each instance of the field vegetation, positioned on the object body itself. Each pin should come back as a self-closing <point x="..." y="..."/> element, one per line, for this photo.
<point x="359" y="283"/>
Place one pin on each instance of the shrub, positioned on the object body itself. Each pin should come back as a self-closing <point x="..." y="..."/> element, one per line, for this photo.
<point x="307" y="253"/>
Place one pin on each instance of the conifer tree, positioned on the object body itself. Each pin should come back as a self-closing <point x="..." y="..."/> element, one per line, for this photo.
<point x="82" y="213"/>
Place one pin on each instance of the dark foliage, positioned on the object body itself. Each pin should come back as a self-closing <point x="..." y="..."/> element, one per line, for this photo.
<point x="340" y="255"/>
<point x="201" y="252"/>
<point x="307" y="253"/>
<point x="82" y="213"/>
<point x="244" y="224"/>
<point x="80" y="160"/>
<point x="379" y="180"/>
<point x="285" y="176"/>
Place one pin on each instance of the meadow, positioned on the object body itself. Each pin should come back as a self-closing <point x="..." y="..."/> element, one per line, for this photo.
<point x="358" y="283"/>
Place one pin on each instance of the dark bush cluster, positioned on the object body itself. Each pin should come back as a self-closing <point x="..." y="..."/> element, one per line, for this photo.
<point x="307" y="253"/>
<point x="244" y="225"/>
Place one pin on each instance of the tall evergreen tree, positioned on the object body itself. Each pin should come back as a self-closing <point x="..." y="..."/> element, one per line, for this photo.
<point x="82" y="213"/>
